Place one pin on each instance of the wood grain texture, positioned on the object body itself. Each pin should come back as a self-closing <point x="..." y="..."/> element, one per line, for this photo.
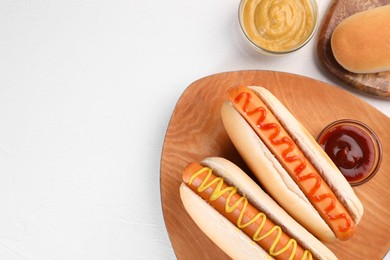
<point x="195" y="131"/>
<point x="376" y="84"/>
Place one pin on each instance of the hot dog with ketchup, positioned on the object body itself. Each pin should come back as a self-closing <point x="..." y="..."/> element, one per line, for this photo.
<point x="240" y="218"/>
<point x="289" y="163"/>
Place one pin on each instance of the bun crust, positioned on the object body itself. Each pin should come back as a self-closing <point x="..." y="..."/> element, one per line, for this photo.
<point x="321" y="161"/>
<point x="360" y="43"/>
<point x="271" y="174"/>
<point x="218" y="228"/>
<point x="275" y="179"/>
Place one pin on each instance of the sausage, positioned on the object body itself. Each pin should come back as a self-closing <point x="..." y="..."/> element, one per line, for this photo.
<point x="235" y="207"/>
<point x="305" y="175"/>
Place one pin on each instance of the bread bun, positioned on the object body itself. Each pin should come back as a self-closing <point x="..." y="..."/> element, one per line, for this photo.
<point x="361" y="42"/>
<point x="237" y="246"/>
<point x="273" y="176"/>
<point x="227" y="236"/>
<point x="315" y="154"/>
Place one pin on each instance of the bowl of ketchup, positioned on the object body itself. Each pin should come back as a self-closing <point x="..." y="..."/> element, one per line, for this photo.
<point x="354" y="148"/>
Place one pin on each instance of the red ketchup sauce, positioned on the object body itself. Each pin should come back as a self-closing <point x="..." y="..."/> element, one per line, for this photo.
<point x="270" y="131"/>
<point x="352" y="150"/>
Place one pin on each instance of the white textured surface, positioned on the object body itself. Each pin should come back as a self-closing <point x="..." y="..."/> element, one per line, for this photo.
<point x="86" y="92"/>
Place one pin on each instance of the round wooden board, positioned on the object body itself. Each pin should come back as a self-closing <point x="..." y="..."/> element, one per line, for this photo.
<point x="196" y="131"/>
<point x="376" y="84"/>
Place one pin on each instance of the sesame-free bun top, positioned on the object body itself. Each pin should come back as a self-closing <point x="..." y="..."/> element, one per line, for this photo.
<point x="361" y="42"/>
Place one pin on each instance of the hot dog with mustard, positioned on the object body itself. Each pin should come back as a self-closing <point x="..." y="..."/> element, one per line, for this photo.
<point x="289" y="163"/>
<point x="240" y="218"/>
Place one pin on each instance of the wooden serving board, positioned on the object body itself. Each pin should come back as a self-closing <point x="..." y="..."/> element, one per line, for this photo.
<point x="377" y="84"/>
<point x="196" y="131"/>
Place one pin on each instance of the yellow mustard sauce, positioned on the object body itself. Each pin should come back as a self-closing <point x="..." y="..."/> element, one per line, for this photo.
<point x="218" y="192"/>
<point x="277" y="25"/>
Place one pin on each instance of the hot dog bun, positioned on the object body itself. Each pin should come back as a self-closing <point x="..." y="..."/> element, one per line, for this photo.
<point x="230" y="238"/>
<point x="361" y="42"/>
<point x="237" y="246"/>
<point x="274" y="177"/>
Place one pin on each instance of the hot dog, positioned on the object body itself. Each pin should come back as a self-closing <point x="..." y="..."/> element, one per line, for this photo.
<point x="289" y="164"/>
<point x="240" y="218"/>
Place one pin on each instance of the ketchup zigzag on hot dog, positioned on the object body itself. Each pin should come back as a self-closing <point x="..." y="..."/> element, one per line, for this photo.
<point x="233" y="211"/>
<point x="290" y="164"/>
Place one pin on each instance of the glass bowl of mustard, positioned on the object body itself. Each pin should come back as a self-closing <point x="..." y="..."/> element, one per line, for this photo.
<point x="277" y="27"/>
<point x="354" y="148"/>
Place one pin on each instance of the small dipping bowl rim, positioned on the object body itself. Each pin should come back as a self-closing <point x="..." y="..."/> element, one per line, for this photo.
<point x="262" y="50"/>
<point x="373" y="137"/>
